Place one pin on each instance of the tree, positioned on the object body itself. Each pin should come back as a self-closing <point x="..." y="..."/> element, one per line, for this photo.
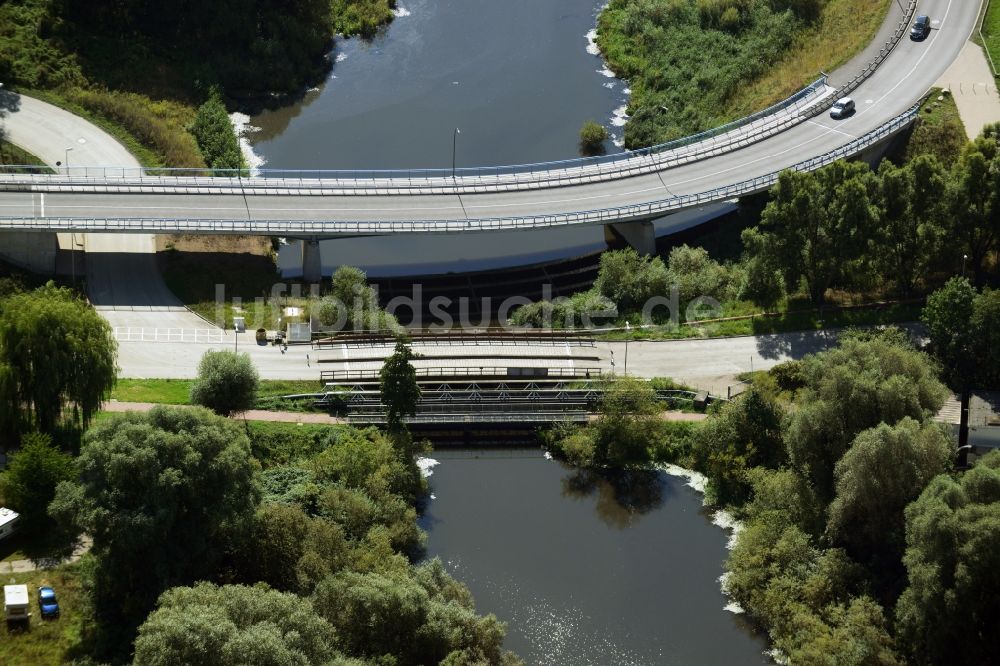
<point x="816" y="225"/>
<point x="627" y="422"/>
<point x="30" y="480"/>
<point x="215" y="135"/>
<point x="592" y="138"/>
<point x="630" y="280"/>
<point x="949" y="613"/>
<point x="885" y="469"/>
<point x="353" y="303"/>
<point x="964" y="331"/>
<point x="163" y="495"/>
<point x="869" y="378"/>
<point x="55" y="353"/>
<point x="233" y="624"/>
<point x="973" y="203"/>
<point x="744" y="434"/>
<point x="421" y="616"/>
<point x="227" y="382"/>
<point x="695" y="274"/>
<point x="398" y="386"/>
<point x="910" y="202"/>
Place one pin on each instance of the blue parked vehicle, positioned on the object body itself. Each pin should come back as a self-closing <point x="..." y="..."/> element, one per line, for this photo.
<point x="47" y="603"/>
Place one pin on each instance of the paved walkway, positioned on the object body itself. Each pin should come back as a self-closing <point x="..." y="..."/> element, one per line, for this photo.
<point x="24" y="566"/>
<point x="975" y="90"/>
<point x="250" y="415"/>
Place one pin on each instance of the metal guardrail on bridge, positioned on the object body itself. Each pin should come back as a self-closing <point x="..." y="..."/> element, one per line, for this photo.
<point x="642" y="211"/>
<point x="335" y="376"/>
<point x="736" y="134"/>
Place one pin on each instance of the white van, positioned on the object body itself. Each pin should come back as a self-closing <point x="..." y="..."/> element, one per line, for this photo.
<point x="15" y="603"/>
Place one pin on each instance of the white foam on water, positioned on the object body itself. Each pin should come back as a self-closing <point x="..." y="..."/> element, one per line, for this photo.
<point x="314" y="89"/>
<point x="604" y="71"/>
<point x="610" y="85"/>
<point x="548" y="456"/>
<point x="400" y="12"/>
<point x="619" y="117"/>
<point x="592" y="42"/>
<point x="242" y="127"/>
<point x="341" y="57"/>
<point x="627" y="91"/>
<point x="433" y="496"/>
<point x="695" y="479"/>
<point x="722" y="518"/>
<point x="618" y="140"/>
<point x="427" y="466"/>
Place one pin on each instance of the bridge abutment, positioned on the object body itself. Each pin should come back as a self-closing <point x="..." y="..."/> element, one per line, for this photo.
<point x="641" y="236"/>
<point x="312" y="261"/>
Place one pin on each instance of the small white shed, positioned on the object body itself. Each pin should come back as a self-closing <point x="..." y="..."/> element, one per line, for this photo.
<point x="15" y="602"/>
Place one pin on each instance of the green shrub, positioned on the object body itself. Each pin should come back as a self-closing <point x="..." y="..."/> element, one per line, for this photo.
<point x="592" y="138"/>
<point x="227" y="382"/>
<point x="156" y="124"/>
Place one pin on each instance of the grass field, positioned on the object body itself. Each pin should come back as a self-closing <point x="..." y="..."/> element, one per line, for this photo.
<point x="689" y="70"/>
<point x="939" y="131"/>
<point x="843" y="30"/>
<point x="53" y="641"/>
<point x="991" y="33"/>
<point x="178" y="391"/>
<point x="807" y="320"/>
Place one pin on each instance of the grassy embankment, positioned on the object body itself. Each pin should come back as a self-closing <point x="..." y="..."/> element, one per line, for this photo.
<point x="743" y="56"/>
<point x="991" y="33"/>
<point x="178" y="391"/>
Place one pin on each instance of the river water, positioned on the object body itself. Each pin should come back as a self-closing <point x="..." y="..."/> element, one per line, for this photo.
<point x="515" y="76"/>
<point x="620" y="571"/>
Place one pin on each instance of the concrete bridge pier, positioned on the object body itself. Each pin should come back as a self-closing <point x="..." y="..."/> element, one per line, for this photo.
<point x="641" y="235"/>
<point x="312" y="262"/>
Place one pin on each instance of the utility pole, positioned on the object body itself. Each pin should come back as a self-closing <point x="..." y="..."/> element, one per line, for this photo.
<point x="454" y="148"/>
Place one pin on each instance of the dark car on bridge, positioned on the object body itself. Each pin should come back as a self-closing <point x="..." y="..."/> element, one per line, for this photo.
<point x="921" y="27"/>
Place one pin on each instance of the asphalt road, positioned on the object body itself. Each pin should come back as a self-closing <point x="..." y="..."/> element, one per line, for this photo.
<point x="898" y="83"/>
<point x="708" y="364"/>
<point x="123" y="282"/>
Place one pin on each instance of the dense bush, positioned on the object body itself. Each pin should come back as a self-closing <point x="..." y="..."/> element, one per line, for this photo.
<point x="227" y="382"/>
<point x="592" y="138"/>
<point x="158" y="125"/>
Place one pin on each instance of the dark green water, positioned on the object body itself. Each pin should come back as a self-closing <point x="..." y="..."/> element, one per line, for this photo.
<point x="514" y="75"/>
<point x="586" y="571"/>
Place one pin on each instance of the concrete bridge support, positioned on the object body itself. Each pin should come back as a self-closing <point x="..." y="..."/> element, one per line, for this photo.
<point x="641" y="236"/>
<point x="31" y="250"/>
<point x="312" y="261"/>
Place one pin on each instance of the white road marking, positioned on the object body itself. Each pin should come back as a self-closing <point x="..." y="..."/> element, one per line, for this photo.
<point x="832" y="129"/>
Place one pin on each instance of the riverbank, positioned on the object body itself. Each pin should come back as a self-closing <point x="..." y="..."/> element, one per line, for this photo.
<point x="745" y="56"/>
<point x="126" y="69"/>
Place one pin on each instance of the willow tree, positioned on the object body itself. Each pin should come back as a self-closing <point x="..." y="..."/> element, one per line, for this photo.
<point x="57" y="359"/>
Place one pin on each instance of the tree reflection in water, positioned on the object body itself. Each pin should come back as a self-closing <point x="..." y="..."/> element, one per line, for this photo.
<point x="623" y="496"/>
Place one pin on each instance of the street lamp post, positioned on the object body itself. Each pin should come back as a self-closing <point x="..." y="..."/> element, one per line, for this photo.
<point x="454" y="148"/>
<point x="66" y="161"/>
<point x="628" y="334"/>
<point x="964" y="258"/>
